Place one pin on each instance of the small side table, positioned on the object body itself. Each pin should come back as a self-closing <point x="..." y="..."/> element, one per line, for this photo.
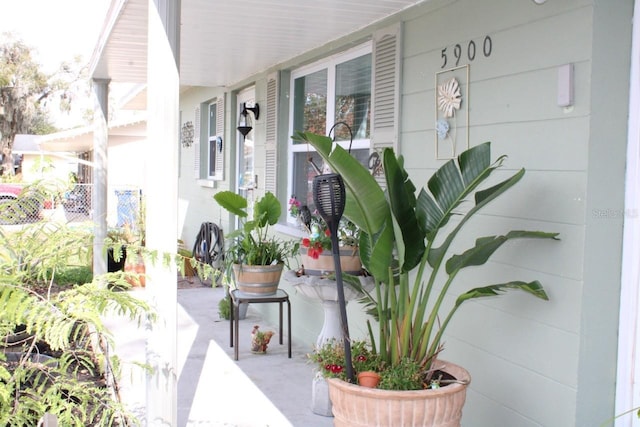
<point x="238" y="297"/>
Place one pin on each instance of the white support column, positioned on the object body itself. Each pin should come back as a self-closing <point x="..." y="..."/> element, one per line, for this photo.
<point x="628" y="376"/>
<point x="161" y="208"/>
<point x="99" y="188"/>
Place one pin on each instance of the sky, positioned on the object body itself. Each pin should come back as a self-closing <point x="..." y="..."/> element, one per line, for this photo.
<point x="57" y="30"/>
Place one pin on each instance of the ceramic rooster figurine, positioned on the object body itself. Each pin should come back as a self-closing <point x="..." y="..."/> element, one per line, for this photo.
<point x="260" y="340"/>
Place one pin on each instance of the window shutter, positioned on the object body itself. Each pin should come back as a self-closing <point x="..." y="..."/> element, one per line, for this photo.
<point x="271" y="146"/>
<point x="386" y="70"/>
<point x="219" y="171"/>
<point x="196" y="143"/>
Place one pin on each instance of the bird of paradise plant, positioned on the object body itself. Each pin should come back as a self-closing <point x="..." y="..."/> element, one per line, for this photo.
<point x="402" y="248"/>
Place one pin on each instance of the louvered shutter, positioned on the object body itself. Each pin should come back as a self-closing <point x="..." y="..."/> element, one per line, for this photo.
<point x="271" y="146"/>
<point x="386" y="71"/>
<point x="219" y="167"/>
<point x="196" y="143"/>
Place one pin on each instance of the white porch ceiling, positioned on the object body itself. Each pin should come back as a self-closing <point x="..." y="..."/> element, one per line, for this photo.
<point x="225" y="41"/>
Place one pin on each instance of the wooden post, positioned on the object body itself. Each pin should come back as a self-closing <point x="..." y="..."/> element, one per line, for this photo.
<point x="48" y="420"/>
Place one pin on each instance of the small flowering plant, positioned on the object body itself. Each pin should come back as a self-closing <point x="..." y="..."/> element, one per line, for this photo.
<point x="294" y="206"/>
<point x="330" y="359"/>
<point x="319" y="238"/>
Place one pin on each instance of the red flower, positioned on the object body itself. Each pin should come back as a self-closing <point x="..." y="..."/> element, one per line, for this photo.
<point x="313" y="252"/>
<point x="336" y="369"/>
<point x="306" y="242"/>
<point x="361" y="358"/>
<point x="327" y="232"/>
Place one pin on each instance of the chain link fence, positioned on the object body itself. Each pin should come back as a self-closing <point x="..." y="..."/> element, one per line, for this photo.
<point x="24" y="204"/>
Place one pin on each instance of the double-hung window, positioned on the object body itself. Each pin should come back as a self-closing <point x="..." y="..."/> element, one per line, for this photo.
<point x="212" y="136"/>
<point x="326" y="96"/>
<point x="208" y="129"/>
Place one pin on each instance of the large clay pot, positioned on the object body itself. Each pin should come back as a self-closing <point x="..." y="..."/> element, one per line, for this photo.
<point x="258" y="280"/>
<point x="324" y="265"/>
<point x="361" y="406"/>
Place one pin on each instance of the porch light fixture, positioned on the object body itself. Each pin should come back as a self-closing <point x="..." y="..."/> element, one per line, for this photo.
<point x="244" y="122"/>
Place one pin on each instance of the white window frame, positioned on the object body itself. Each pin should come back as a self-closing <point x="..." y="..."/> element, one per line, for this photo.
<point x="211" y="141"/>
<point x="329" y="64"/>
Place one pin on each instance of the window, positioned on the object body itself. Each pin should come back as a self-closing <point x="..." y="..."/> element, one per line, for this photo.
<point x="212" y="137"/>
<point x="208" y="129"/>
<point x="335" y="90"/>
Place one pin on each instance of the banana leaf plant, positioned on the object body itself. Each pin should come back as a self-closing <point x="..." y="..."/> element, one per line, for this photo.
<point x="405" y="243"/>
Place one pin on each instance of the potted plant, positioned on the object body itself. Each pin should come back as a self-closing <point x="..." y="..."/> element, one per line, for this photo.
<point x="224" y="308"/>
<point x="125" y="249"/>
<point x="329" y="359"/>
<point x="116" y="246"/>
<point x="253" y="257"/>
<point x="404" y="243"/>
<point x="316" y="257"/>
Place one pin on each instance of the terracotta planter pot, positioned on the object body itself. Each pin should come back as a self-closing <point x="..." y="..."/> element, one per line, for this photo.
<point x="324" y="265"/>
<point x="360" y="406"/>
<point x="368" y="379"/>
<point x="135" y="269"/>
<point x="257" y="279"/>
<point x="188" y="268"/>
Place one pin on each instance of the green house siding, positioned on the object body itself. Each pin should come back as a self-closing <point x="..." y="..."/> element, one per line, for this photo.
<point x="533" y="363"/>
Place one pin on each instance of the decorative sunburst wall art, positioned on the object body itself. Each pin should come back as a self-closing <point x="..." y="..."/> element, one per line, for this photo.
<point x="452" y="111"/>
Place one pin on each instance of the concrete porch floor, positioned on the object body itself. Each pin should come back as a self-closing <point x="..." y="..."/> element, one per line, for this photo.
<point x="213" y="389"/>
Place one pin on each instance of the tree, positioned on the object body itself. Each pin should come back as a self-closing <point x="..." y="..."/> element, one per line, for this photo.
<point x="24" y="92"/>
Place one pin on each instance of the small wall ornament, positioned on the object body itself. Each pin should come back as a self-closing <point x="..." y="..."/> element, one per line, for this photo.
<point x="186" y="134"/>
<point x="452" y="110"/>
<point x="449" y="97"/>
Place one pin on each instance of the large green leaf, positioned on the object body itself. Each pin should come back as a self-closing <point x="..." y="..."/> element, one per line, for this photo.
<point x="486" y="246"/>
<point x="267" y="210"/>
<point x="534" y="288"/>
<point x="482" y="198"/>
<point x="402" y="200"/>
<point x="451" y="184"/>
<point x="233" y="202"/>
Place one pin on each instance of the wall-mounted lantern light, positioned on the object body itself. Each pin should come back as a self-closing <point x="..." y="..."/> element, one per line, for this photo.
<point x="244" y="122"/>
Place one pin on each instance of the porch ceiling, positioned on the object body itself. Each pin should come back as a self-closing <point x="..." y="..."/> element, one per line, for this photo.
<point x="225" y="41"/>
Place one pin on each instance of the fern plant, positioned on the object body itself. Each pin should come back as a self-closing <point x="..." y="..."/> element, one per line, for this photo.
<point x="65" y="322"/>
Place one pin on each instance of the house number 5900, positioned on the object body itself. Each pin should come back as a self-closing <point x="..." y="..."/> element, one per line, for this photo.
<point x="472" y="50"/>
